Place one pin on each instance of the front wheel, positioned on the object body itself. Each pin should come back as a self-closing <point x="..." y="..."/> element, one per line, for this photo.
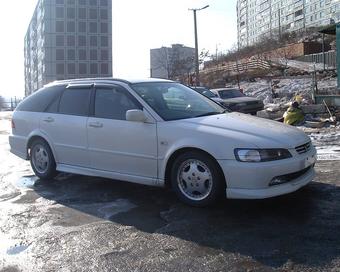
<point x="42" y="160"/>
<point x="197" y="179"/>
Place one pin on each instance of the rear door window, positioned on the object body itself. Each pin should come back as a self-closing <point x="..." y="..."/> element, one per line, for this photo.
<point x="75" y="101"/>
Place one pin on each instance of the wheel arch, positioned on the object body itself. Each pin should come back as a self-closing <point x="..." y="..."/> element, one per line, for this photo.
<point x="35" y="136"/>
<point x="178" y="152"/>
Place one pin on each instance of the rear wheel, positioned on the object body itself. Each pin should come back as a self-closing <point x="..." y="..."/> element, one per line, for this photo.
<point x="42" y="160"/>
<point x="197" y="179"/>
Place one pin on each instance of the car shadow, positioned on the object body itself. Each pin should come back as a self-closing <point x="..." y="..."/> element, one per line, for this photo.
<point x="302" y="227"/>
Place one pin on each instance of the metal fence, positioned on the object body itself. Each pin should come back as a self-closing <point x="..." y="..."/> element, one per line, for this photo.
<point x="328" y="58"/>
<point x="10" y="104"/>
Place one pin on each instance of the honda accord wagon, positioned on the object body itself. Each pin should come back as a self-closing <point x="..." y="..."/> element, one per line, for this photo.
<point x="161" y="133"/>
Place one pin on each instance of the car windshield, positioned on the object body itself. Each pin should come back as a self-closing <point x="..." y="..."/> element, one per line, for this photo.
<point x="205" y="92"/>
<point x="174" y="101"/>
<point x="231" y="93"/>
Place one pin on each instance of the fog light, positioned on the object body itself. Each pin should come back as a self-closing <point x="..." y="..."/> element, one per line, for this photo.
<point x="276" y="181"/>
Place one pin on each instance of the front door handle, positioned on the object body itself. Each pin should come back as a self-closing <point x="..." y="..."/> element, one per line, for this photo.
<point x="48" y="119"/>
<point x="95" y="124"/>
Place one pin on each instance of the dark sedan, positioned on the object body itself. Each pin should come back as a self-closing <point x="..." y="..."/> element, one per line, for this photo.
<point x="235" y="100"/>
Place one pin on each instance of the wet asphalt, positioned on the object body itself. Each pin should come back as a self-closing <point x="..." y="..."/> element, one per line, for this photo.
<point x="79" y="223"/>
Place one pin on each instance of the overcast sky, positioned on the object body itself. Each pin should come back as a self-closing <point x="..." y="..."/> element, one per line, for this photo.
<point x="138" y="26"/>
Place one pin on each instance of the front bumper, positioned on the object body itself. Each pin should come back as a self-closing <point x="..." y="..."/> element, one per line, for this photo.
<point x="252" y="180"/>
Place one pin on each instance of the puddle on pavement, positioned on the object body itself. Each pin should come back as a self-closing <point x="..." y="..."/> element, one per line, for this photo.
<point x="27" y="182"/>
<point x="16" y="249"/>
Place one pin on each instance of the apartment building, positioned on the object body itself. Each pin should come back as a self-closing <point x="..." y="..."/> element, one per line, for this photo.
<point x="169" y="62"/>
<point x="68" y="39"/>
<point x="265" y="18"/>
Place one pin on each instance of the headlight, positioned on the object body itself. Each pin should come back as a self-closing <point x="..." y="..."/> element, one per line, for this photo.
<point x="261" y="155"/>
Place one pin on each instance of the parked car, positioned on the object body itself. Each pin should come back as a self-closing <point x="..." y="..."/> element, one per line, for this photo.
<point x="206" y="92"/>
<point x="161" y="133"/>
<point x="235" y="100"/>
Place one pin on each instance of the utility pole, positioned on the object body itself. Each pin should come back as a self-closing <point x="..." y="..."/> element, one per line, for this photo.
<point x="197" y="83"/>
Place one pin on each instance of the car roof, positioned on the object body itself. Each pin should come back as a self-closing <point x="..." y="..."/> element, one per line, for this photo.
<point x="224" y="89"/>
<point x="105" y="80"/>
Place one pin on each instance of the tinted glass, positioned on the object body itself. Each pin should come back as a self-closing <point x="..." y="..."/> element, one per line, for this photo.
<point x="175" y="101"/>
<point x="205" y="92"/>
<point x="113" y="103"/>
<point x="225" y="94"/>
<point x="75" y="102"/>
<point x="40" y="100"/>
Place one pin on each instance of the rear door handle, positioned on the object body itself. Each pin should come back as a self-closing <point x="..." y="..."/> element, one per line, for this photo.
<point x="95" y="124"/>
<point x="48" y="119"/>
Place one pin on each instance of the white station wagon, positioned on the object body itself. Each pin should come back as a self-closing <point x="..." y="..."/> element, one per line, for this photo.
<point x="161" y="133"/>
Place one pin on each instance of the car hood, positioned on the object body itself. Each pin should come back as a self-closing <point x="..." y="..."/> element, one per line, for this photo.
<point x="243" y="99"/>
<point x="263" y="133"/>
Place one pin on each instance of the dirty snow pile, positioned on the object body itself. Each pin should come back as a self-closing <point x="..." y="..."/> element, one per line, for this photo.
<point x="326" y="140"/>
<point x="285" y="89"/>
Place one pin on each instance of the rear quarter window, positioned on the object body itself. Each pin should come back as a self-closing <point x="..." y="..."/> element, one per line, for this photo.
<point x="40" y="100"/>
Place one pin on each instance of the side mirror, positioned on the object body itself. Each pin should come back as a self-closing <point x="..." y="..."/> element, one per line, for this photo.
<point x="136" y="116"/>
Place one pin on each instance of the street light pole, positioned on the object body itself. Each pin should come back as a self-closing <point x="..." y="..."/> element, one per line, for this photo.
<point x="196" y="45"/>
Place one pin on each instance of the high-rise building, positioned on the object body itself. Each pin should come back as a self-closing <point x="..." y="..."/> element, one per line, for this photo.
<point x="265" y="18"/>
<point x="68" y="39"/>
<point x="169" y="62"/>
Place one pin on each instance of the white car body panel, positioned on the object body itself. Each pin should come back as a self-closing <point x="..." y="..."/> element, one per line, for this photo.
<point x="68" y="134"/>
<point x="123" y="147"/>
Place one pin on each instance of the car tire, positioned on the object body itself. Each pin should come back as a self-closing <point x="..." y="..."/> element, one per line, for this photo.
<point x="42" y="160"/>
<point x="197" y="179"/>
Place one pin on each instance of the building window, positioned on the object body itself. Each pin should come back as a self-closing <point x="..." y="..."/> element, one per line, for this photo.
<point x="93" y="68"/>
<point x="104" y="41"/>
<point x="82" y="27"/>
<point x="82" y="2"/>
<point x="71" y="27"/>
<point x="59" y="12"/>
<point x="103" y="27"/>
<point x="82" y="68"/>
<point x="93" y="54"/>
<point x="71" y="68"/>
<point x="60" y="68"/>
<point x="59" y="54"/>
<point x="59" y="26"/>
<point x="104" y="55"/>
<point x="103" y="14"/>
<point x="103" y="3"/>
<point x="71" y="13"/>
<point x="104" y="68"/>
<point x="71" y="2"/>
<point x="81" y="40"/>
<point x="82" y="13"/>
<point x="82" y="54"/>
<point x="59" y="40"/>
<point x="71" y="54"/>
<point x="93" y="40"/>
<point x="93" y="14"/>
<point x="71" y="41"/>
<point x="93" y="27"/>
<point x="59" y="2"/>
<point x="93" y="2"/>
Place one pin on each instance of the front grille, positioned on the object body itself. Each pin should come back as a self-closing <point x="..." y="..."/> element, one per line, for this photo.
<point x="289" y="177"/>
<point x="303" y="148"/>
